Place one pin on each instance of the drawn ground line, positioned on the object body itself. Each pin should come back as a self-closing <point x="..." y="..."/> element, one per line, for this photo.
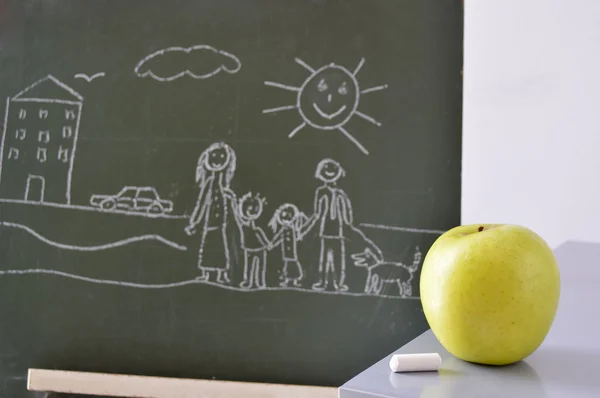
<point x="403" y="229"/>
<point x="92" y="209"/>
<point x="112" y="245"/>
<point x="187" y="282"/>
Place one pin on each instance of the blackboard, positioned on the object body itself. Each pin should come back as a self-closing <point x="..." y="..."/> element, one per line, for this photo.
<point x="229" y="189"/>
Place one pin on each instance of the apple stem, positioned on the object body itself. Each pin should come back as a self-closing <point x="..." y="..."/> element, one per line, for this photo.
<point x="479" y="229"/>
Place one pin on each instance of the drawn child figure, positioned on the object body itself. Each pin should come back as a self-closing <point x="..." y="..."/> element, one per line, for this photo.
<point x="214" y="172"/>
<point x="286" y="224"/>
<point x="255" y="242"/>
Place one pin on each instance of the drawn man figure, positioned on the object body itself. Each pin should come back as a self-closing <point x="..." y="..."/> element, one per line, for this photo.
<point x="333" y="213"/>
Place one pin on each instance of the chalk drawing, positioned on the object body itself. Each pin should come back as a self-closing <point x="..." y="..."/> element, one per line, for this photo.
<point x="94" y="248"/>
<point x="327" y="100"/>
<point x="41" y="154"/>
<point x="63" y="154"/>
<point x="94" y="209"/>
<point x="36" y="195"/>
<point x="89" y="78"/>
<point x="380" y="272"/>
<point x="214" y="171"/>
<point x="13" y="153"/>
<point x="287" y="223"/>
<point x="404" y="229"/>
<point x="228" y="63"/>
<point x="44" y="136"/>
<point x="254" y="241"/>
<point x="34" y="271"/>
<point x="65" y="100"/>
<point x="132" y="198"/>
<point x="333" y="214"/>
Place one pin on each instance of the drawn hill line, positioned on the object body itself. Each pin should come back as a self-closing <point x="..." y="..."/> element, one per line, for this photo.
<point x="111" y="245"/>
<point x="185" y="283"/>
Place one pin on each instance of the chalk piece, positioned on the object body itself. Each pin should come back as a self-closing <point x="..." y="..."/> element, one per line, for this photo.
<point x="415" y="362"/>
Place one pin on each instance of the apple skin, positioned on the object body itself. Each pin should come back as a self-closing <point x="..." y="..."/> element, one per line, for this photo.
<point x="490" y="296"/>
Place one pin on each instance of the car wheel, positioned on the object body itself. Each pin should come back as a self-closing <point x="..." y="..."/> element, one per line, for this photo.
<point x="109" y="204"/>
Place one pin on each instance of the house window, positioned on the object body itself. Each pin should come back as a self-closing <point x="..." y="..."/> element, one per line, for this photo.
<point x="41" y="154"/>
<point x="22" y="114"/>
<point x="63" y="154"/>
<point x="13" y="153"/>
<point x="44" y="136"/>
<point x="20" y="134"/>
<point x="69" y="114"/>
<point x="43" y="113"/>
<point x="67" y="131"/>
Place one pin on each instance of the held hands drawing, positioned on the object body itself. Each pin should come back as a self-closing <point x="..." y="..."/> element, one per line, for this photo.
<point x="43" y="131"/>
<point x="331" y="219"/>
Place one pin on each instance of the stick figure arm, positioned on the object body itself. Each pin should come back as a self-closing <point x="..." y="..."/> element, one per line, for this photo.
<point x="320" y="207"/>
<point x="346" y="208"/>
<point x="262" y="237"/>
<point x="276" y="239"/>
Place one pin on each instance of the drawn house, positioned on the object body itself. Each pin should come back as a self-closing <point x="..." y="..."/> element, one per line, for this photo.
<point x="39" y="140"/>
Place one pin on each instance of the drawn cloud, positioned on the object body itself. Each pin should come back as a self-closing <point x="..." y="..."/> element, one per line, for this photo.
<point x="197" y="62"/>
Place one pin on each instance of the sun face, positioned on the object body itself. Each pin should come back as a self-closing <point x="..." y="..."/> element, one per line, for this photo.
<point x="328" y="99"/>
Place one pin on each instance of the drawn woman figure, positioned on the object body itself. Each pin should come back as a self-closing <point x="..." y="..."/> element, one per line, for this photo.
<point x="255" y="242"/>
<point x="286" y="223"/>
<point x="214" y="172"/>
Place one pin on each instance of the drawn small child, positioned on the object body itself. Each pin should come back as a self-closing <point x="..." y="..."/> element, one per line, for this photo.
<point x="286" y="224"/>
<point x="255" y="242"/>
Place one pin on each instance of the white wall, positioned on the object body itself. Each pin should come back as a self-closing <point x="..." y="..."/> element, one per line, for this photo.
<point x="531" y="146"/>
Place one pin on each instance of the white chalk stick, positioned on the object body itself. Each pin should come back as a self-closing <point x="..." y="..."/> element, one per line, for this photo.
<point x="415" y="362"/>
<point x="115" y="385"/>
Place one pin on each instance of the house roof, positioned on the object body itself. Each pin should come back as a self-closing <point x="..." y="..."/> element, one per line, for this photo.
<point x="48" y="88"/>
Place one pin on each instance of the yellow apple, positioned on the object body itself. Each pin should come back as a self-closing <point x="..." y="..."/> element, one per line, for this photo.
<point x="490" y="292"/>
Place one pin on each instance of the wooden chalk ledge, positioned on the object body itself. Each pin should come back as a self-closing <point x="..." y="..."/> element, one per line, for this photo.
<point x="114" y="385"/>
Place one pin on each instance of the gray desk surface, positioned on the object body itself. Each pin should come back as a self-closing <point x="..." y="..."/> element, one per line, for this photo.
<point x="566" y="365"/>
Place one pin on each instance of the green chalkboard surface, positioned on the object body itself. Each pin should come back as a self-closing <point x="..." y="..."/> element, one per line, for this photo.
<point x="229" y="189"/>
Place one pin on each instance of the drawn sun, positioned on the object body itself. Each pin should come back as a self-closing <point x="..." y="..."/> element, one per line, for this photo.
<point x="328" y="99"/>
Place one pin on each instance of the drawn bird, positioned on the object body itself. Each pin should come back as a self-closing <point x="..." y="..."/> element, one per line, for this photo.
<point x="89" y="78"/>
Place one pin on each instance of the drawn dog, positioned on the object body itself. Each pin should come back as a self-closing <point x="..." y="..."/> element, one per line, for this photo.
<point x="381" y="272"/>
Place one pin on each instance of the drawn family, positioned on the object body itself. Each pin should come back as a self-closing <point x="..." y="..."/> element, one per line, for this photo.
<point x="332" y="215"/>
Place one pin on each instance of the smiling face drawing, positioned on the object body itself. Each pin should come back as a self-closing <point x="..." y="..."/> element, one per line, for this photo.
<point x="251" y="207"/>
<point x="328" y="98"/>
<point x="217" y="159"/>
<point x="329" y="171"/>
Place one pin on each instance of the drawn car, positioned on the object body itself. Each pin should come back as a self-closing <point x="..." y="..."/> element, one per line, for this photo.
<point x="140" y="199"/>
